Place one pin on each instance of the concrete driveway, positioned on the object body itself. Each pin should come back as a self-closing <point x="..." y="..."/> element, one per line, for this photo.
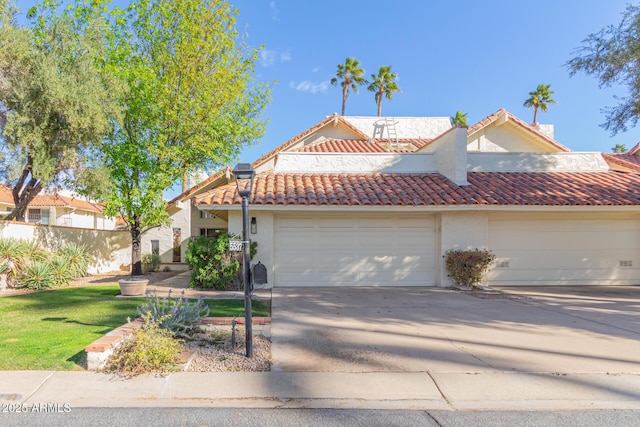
<point x="556" y="331"/>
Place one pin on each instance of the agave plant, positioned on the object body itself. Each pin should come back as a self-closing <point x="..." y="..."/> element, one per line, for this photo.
<point x="77" y="257"/>
<point x="37" y="275"/>
<point x="61" y="273"/>
<point x="33" y="252"/>
<point x="13" y="252"/>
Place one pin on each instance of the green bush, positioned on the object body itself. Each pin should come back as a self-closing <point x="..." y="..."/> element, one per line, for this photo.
<point x="61" y="271"/>
<point x="148" y="349"/>
<point x="37" y="275"/>
<point x="466" y="268"/>
<point x="29" y="265"/>
<point x="179" y="315"/>
<point x="213" y="265"/>
<point x="77" y="257"/>
<point x="150" y="262"/>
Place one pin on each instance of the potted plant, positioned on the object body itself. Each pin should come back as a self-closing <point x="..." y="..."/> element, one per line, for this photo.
<point x="133" y="286"/>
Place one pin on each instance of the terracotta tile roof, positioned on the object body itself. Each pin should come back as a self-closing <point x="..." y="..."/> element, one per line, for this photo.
<point x="501" y="112"/>
<point x="633" y="150"/>
<point x="64" y="201"/>
<point x="5" y="194"/>
<point x="200" y="185"/>
<point x="625" y="160"/>
<point x="42" y="200"/>
<point x="336" y="118"/>
<point x="356" y="146"/>
<point x="486" y="188"/>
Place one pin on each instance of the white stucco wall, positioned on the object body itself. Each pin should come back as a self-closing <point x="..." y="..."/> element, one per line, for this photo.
<point x="536" y="162"/>
<point x="405" y="127"/>
<point x="450" y="152"/>
<point x="461" y="230"/>
<point x="503" y="138"/>
<point x="110" y="250"/>
<point x="265" y="237"/>
<point x="356" y="163"/>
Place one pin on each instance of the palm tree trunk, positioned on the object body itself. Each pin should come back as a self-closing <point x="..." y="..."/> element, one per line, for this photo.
<point x="535" y="114"/>
<point x="344" y="97"/>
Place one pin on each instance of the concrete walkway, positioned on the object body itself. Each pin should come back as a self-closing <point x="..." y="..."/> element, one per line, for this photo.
<point x="522" y="349"/>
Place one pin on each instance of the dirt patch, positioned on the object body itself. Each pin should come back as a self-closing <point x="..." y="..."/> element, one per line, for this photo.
<point x="216" y="353"/>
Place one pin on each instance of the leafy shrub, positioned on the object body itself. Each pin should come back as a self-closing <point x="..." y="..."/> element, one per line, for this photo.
<point x="179" y="315"/>
<point x="213" y="265"/>
<point x="13" y="253"/>
<point x="466" y="268"/>
<point x="77" y="257"/>
<point x="150" y="262"/>
<point x="37" y="275"/>
<point x="148" y="349"/>
<point x="61" y="271"/>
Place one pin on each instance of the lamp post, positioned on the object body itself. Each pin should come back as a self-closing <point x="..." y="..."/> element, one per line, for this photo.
<point x="243" y="172"/>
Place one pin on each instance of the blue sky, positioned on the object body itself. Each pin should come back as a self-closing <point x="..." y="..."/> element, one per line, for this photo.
<point x="474" y="56"/>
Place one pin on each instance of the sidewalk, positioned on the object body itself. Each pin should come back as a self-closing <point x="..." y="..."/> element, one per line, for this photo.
<point x="372" y="390"/>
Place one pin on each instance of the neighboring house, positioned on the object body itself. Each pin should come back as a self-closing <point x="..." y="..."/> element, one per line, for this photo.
<point x="63" y="209"/>
<point x="374" y="201"/>
<point x="625" y="162"/>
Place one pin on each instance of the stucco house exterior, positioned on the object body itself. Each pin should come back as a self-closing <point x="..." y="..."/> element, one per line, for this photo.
<point x="375" y="201"/>
<point x="59" y="208"/>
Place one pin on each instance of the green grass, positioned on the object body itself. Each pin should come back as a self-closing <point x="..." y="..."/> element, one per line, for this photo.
<point x="50" y="329"/>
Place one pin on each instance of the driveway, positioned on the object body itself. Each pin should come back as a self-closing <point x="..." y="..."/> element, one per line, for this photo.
<point x="553" y="330"/>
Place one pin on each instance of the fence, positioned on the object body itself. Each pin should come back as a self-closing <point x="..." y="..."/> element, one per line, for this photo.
<point x="110" y="249"/>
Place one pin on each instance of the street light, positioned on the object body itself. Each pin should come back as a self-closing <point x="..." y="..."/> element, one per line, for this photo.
<point x="243" y="172"/>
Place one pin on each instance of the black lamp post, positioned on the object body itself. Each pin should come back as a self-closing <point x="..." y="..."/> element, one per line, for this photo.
<point x="243" y="172"/>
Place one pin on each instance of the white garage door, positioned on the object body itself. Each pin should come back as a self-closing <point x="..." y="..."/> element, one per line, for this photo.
<point x="354" y="251"/>
<point x="565" y="252"/>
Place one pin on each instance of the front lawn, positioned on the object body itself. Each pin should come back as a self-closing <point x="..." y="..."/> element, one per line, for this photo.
<point x="49" y="330"/>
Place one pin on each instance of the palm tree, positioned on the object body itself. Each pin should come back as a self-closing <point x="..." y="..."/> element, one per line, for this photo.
<point x="383" y="85"/>
<point x="349" y="75"/>
<point x="539" y="99"/>
<point x="459" y="120"/>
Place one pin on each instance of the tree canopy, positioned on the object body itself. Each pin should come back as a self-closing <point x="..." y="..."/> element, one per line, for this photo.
<point x="539" y="99"/>
<point x="349" y="75"/>
<point x="459" y="120"/>
<point x="383" y="85"/>
<point x="189" y="101"/>
<point x="55" y="105"/>
<point x="612" y="55"/>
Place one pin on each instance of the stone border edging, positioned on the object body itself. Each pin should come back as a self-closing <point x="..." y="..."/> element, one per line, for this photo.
<point x="99" y="351"/>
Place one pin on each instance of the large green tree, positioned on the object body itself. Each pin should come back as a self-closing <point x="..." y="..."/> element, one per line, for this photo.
<point x="190" y="102"/>
<point x="612" y="55"/>
<point x="349" y="75"/>
<point x="55" y="105"/>
<point x="539" y="99"/>
<point x="383" y="85"/>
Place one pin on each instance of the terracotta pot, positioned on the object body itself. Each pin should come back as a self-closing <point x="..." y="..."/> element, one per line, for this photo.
<point x="133" y="287"/>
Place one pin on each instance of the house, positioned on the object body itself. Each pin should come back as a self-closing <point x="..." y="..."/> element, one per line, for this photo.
<point x="59" y="208"/>
<point x="375" y="201"/>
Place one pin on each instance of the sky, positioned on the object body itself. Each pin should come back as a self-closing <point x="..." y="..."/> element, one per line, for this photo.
<point x="469" y="55"/>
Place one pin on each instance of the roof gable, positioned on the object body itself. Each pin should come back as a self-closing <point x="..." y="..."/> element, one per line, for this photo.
<point x="502" y="131"/>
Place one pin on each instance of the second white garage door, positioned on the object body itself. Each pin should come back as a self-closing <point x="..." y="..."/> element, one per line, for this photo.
<point x="565" y="252"/>
<point x="354" y="251"/>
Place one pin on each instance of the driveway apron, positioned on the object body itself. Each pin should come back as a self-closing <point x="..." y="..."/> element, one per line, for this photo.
<point x="443" y="330"/>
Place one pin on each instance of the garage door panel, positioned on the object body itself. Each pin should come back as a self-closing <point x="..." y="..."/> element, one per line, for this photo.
<point x="356" y="251"/>
<point x="537" y="252"/>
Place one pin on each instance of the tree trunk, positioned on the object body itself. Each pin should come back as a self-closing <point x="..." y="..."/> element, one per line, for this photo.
<point x="23" y="194"/>
<point x="136" y="248"/>
<point x="535" y="114"/>
<point x="344" y="97"/>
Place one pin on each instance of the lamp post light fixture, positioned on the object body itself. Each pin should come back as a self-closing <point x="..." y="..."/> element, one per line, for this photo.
<point x="244" y="175"/>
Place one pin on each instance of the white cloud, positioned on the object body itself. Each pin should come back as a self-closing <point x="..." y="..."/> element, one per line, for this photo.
<point x="315" y="70"/>
<point x="285" y="56"/>
<point x="311" y="87"/>
<point x="268" y="57"/>
<point x="274" y="10"/>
